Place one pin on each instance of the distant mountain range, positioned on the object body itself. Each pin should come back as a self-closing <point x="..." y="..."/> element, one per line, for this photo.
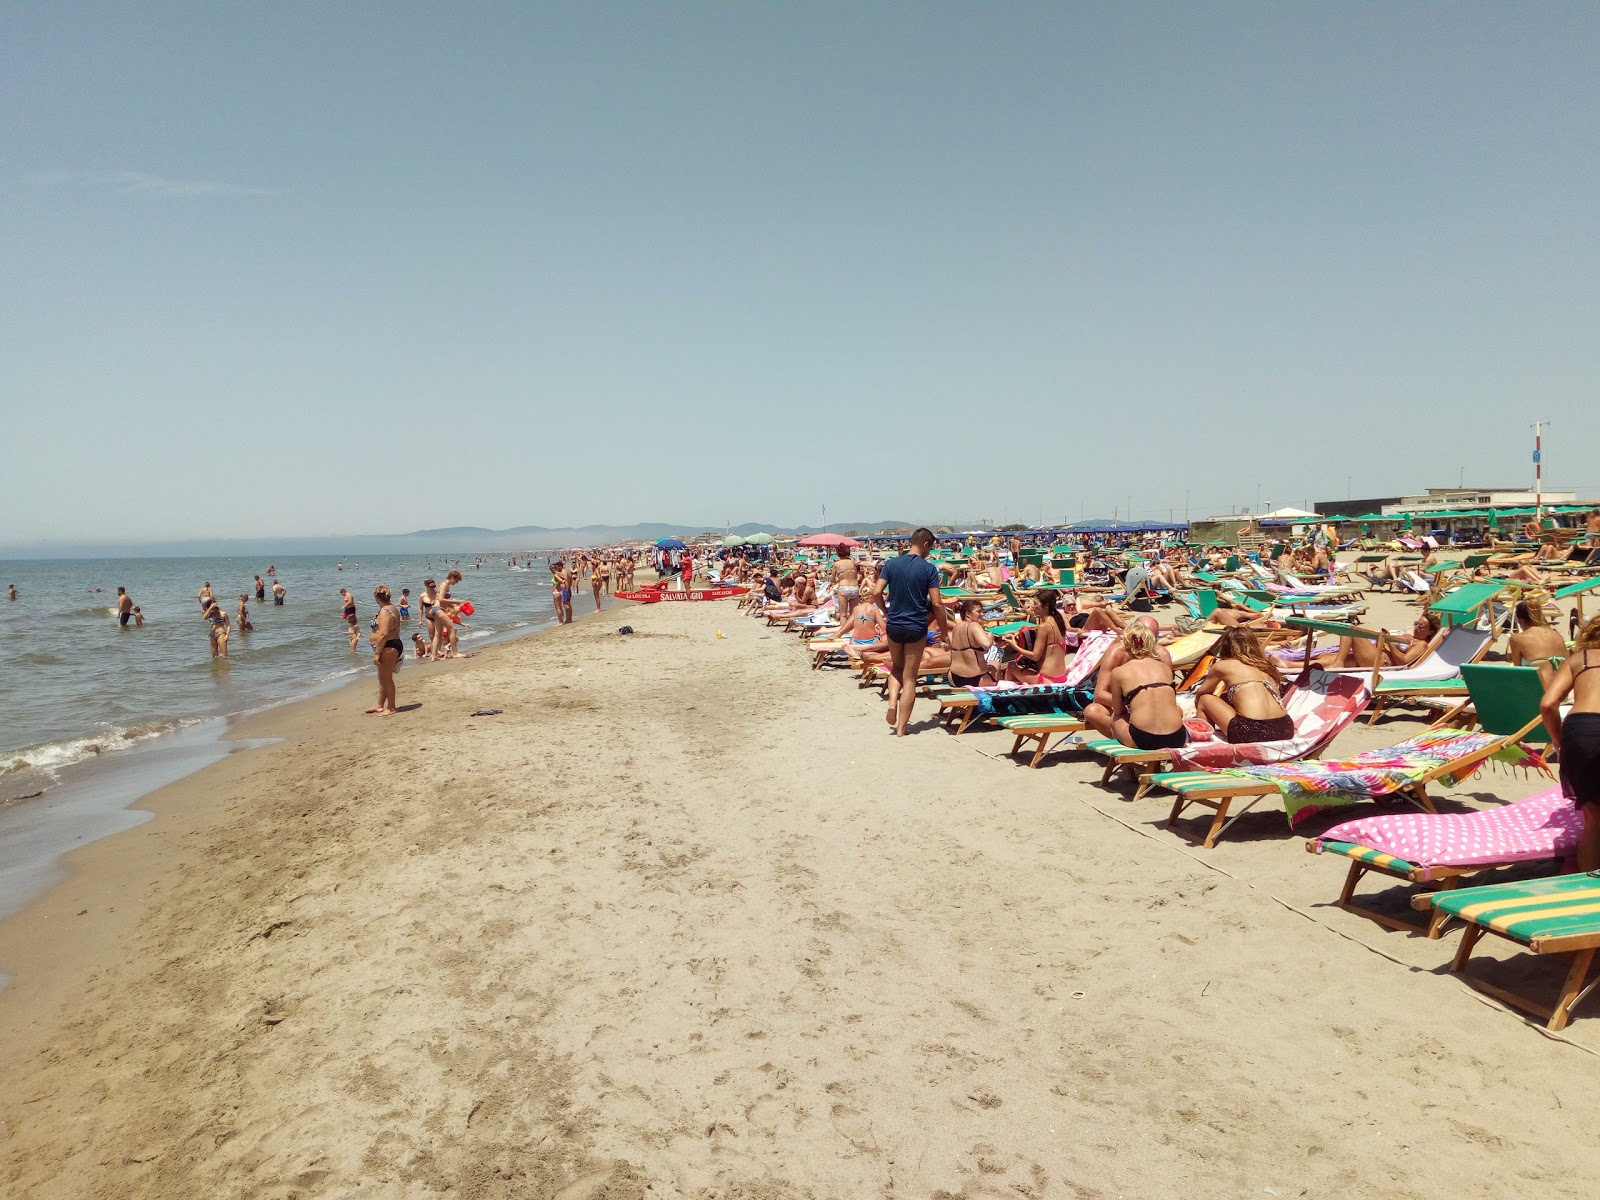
<point x="466" y="539"/>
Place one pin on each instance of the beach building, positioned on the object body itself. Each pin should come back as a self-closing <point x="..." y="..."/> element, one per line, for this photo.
<point x="1458" y="510"/>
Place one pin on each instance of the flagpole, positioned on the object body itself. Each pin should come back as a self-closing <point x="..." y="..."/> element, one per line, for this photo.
<point x="1538" y="471"/>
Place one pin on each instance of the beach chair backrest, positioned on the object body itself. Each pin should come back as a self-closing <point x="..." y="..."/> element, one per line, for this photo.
<point x="1232" y="564"/>
<point x="1463" y="645"/>
<point x="1205" y="603"/>
<point x="1506" y="698"/>
<point x="1322" y="704"/>
<point x="1091" y="650"/>
<point x="1462" y="605"/>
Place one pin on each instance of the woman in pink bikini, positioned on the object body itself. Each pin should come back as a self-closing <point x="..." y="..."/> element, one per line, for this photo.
<point x="1046" y="660"/>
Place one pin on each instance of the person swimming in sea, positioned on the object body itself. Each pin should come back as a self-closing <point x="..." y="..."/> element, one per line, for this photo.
<point x="11" y="591"/>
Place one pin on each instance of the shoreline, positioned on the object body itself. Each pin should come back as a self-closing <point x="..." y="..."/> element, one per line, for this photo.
<point x="89" y="879"/>
<point x="690" y="922"/>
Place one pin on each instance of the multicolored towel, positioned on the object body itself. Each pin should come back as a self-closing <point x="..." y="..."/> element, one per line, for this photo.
<point x="1321" y="707"/>
<point x="1545" y="825"/>
<point x="1309" y="787"/>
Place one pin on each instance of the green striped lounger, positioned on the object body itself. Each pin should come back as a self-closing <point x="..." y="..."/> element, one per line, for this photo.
<point x="1549" y="916"/>
<point x="1039" y="728"/>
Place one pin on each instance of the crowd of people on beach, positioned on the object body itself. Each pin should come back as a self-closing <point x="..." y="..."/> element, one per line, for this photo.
<point x="1082" y="629"/>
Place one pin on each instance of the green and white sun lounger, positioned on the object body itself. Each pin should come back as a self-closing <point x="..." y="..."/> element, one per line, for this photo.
<point x="1548" y="916"/>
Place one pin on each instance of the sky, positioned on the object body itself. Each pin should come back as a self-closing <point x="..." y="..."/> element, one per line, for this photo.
<point x="303" y="269"/>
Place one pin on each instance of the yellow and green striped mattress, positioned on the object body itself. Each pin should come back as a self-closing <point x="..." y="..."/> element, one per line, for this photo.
<point x="1547" y="915"/>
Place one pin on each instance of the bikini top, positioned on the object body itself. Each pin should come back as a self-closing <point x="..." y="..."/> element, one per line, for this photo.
<point x="1228" y="691"/>
<point x="1127" y="697"/>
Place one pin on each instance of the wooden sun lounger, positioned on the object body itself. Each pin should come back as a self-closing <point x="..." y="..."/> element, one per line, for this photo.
<point x="1364" y="859"/>
<point x="1039" y="728"/>
<point x="1549" y="916"/>
<point x="1217" y="790"/>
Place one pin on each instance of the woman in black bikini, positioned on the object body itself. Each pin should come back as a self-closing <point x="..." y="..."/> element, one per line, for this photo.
<point x="387" y="651"/>
<point x="969" y="642"/>
<point x="1576" y="739"/>
<point x="1141" y="697"/>
<point x="1242" y="694"/>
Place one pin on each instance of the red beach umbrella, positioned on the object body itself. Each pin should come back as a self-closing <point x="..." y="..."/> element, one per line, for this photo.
<point x="828" y="539"/>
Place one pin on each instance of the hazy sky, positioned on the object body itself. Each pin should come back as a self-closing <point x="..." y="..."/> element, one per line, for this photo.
<point x="317" y="268"/>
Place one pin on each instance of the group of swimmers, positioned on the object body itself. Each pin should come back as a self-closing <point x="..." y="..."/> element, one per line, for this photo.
<point x="599" y="567"/>
<point x="218" y="624"/>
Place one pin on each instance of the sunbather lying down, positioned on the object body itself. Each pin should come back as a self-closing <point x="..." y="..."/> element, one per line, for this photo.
<point x="1359" y="652"/>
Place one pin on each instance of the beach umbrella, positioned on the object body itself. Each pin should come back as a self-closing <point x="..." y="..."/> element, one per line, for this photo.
<point x="828" y="539"/>
<point x="669" y="544"/>
<point x="733" y="539"/>
<point x="759" y="539"/>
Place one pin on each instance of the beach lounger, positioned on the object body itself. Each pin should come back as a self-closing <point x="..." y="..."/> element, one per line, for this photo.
<point x="1438" y="674"/>
<point x="1039" y="729"/>
<point x="1321" y="704"/>
<point x="1439" y="850"/>
<point x="973" y="706"/>
<point x="1402" y="771"/>
<point x="1548" y="916"/>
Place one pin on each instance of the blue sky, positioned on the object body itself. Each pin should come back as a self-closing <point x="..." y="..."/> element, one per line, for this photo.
<point x="312" y="269"/>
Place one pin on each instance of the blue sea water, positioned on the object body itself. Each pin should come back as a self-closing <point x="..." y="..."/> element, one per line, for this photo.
<point x="74" y="684"/>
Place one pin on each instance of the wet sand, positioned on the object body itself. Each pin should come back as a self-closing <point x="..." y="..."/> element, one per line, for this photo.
<point x="692" y="923"/>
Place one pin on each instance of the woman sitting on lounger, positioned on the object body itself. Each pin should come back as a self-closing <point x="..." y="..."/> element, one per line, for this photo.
<point x="1359" y="653"/>
<point x="1141" y="700"/>
<point x="863" y="628"/>
<point x="969" y="642"/>
<point x="1575" y="739"/>
<point x="1045" y="659"/>
<point x="1535" y="644"/>
<point x="1242" y="694"/>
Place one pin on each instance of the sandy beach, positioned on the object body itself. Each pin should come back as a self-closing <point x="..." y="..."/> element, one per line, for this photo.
<point x="684" y="920"/>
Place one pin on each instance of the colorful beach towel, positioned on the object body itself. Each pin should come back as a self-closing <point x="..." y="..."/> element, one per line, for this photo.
<point x="1543" y="826"/>
<point x="1309" y="787"/>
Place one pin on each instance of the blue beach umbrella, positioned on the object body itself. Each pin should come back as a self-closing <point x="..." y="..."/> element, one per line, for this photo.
<point x="669" y="544"/>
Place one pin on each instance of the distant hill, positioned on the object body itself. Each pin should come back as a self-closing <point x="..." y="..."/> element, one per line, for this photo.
<point x="458" y="538"/>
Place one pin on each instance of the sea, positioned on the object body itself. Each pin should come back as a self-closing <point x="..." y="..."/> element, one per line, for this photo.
<point x="95" y="715"/>
<point x="75" y="686"/>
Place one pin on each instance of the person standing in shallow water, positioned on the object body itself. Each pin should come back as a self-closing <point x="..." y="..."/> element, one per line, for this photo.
<point x="352" y="626"/>
<point x="124" y="607"/>
<point x="218" y="620"/>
